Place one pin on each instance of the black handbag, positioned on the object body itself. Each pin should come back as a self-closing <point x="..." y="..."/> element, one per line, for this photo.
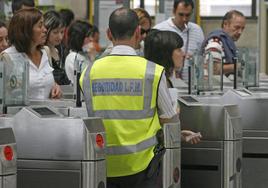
<point x="60" y="75"/>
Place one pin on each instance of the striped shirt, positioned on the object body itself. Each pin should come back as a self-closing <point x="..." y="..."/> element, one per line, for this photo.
<point x="214" y="47"/>
<point x="196" y="37"/>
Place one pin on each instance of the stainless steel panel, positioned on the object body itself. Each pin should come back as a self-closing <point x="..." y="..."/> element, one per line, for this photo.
<point x="94" y="174"/>
<point x="7" y="138"/>
<point x="204" y="144"/>
<point x="55" y="174"/>
<point x="94" y="128"/>
<point x="171" y="161"/>
<point x="55" y="103"/>
<point x="251" y="108"/>
<point x="49" y="165"/>
<point x="55" y="138"/>
<point x="202" y="168"/>
<point x="172" y="134"/>
<point x="78" y="112"/>
<point x="49" y="178"/>
<point x="6" y="120"/>
<point x="171" y="168"/>
<point x="257" y="145"/>
<point x="8" y="167"/>
<point x="211" y="120"/>
<point x="10" y="181"/>
<point x="216" y="161"/>
<point x="232" y="164"/>
<point x="255" y="172"/>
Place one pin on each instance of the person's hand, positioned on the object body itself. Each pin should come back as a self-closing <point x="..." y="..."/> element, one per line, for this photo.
<point x="56" y="92"/>
<point x="190" y="136"/>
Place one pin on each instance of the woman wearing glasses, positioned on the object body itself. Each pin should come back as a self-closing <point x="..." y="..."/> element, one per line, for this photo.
<point x="145" y="24"/>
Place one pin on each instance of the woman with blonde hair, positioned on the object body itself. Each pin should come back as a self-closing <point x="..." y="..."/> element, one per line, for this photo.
<point x="145" y="23"/>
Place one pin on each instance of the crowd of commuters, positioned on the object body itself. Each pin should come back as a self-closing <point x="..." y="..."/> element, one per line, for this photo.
<point x="57" y="45"/>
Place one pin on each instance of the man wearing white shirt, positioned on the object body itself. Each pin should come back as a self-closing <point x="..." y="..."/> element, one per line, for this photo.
<point x="190" y="32"/>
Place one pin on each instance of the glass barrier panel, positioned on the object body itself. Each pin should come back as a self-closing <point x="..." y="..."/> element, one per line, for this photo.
<point x="15" y="79"/>
<point x="208" y="73"/>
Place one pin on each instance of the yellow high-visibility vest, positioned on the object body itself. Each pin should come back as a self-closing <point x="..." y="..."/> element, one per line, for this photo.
<point x="123" y="91"/>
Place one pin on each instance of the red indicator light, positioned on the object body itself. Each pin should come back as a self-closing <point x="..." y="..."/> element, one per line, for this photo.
<point x="8" y="153"/>
<point x="99" y="140"/>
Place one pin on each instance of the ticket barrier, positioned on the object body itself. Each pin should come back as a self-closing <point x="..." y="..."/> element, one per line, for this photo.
<point x="55" y="151"/>
<point x="253" y="107"/>
<point x="171" y="171"/>
<point x="8" y="158"/>
<point x="216" y="161"/>
<point x="172" y="142"/>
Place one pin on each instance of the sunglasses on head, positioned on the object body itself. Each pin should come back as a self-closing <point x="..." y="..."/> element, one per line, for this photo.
<point x="183" y="14"/>
<point x="145" y="31"/>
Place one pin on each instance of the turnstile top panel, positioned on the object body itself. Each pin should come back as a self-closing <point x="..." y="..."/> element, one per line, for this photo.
<point x="57" y="138"/>
<point x="252" y="108"/>
<point x="215" y="121"/>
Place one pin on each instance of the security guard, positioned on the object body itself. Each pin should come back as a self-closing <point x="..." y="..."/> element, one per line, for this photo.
<point x="130" y="93"/>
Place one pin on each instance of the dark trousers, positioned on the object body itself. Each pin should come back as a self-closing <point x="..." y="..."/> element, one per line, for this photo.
<point x="139" y="180"/>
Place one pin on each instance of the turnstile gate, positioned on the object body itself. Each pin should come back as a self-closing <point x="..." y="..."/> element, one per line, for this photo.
<point x="8" y="157"/>
<point x="171" y="161"/>
<point x="216" y="161"/>
<point x="56" y="151"/>
<point x="253" y="107"/>
<point x="171" y="171"/>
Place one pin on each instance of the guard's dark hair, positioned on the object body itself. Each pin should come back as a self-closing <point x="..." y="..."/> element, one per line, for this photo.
<point x="159" y="47"/>
<point x="123" y="22"/>
<point x="186" y="3"/>
<point x="67" y="15"/>
<point x="52" y="20"/>
<point x="229" y="15"/>
<point x="20" y="31"/>
<point x="77" y="32"/>
<point x="17" y="4"/>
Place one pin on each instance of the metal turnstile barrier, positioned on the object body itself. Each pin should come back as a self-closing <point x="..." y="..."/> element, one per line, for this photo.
<point x="56" y="151"/>
<point x="216" y="161"/>
<point x="171" y="161"/>
<point x="8" y="157"/>
<point x="170" y="172"/>
<point x="253" y="106"/>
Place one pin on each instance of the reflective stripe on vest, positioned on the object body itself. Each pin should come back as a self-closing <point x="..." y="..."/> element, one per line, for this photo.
<point x="123" y="114"/>
<point x="122" y="150"/>
<point x="123" y="90"/>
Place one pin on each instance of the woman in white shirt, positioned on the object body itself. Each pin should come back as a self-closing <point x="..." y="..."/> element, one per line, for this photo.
<point x="27" y="35"/>
<point x="78" y="40"/>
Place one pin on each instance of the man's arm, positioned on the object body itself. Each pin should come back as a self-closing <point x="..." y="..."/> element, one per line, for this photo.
<point x="228" y="68"/>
